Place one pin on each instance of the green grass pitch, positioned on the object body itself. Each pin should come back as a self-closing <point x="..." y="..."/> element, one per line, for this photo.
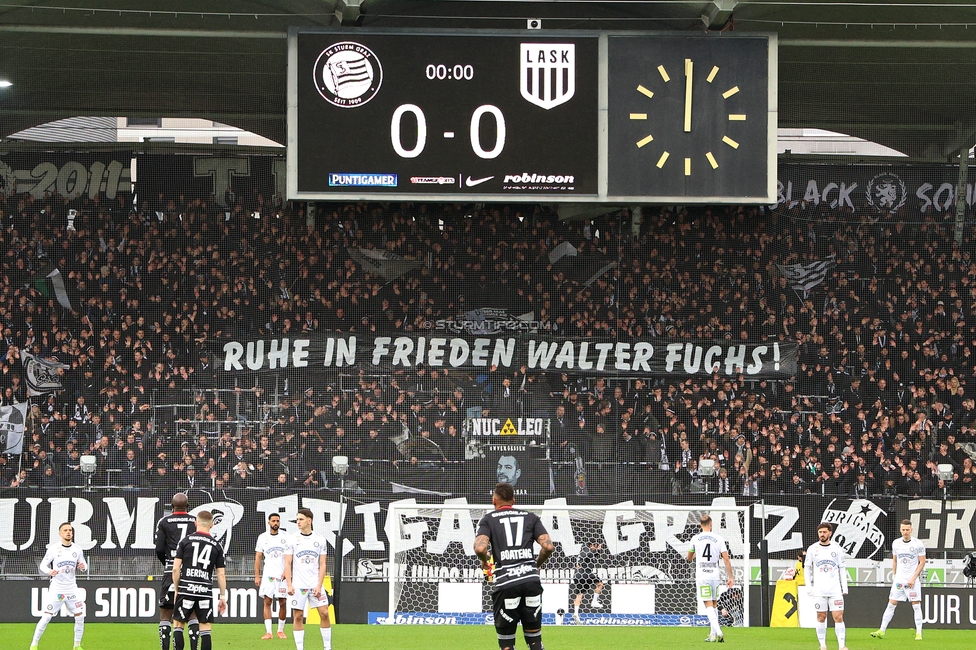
<point x="135" y="636"/>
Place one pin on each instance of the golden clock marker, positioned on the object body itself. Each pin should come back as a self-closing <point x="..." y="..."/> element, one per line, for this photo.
<point x="644" y="91"/>
<point x="663" y="159"/>
<point x="729" y="141"/>
<point x="711" y="160"/>
<point x="737" y="117"/>
<point x="711" y="75"/>
<point x="641" y="116"/>
<point x="687" y="166"/>
<point x="664" y="73"/>
<point x="643" y="141"/>
<point x="689" y="77"/>
<point x="731" y="91"/>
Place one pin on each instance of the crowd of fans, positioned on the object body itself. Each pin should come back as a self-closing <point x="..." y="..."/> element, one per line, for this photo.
<point x="881" y="398"/>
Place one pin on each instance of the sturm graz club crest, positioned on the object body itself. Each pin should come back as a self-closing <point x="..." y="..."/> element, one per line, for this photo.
<point x="886" y="192"/>
<point x="856" y="527"/>
<point x="348" y="74"/>
<point x="547" y="73"/>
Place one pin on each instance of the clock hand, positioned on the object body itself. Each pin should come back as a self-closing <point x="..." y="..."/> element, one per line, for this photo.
<point x="689" y="73"/>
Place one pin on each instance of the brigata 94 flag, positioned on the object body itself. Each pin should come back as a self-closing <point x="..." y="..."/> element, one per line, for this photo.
<point x="535" y="353"/>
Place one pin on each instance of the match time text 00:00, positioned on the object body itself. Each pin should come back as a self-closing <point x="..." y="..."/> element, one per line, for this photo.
<point x="455" y="72"/>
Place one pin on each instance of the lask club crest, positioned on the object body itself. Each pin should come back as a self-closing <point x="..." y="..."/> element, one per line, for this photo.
<point x="547" y="73"/>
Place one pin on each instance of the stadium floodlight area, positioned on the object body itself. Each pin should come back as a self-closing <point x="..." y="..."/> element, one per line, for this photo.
<point x="641" y="563"/>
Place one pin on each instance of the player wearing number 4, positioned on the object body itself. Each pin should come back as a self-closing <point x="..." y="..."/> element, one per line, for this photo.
<point x="304" y="575"/>
<point x="907" y="562"/>
<point x="705" y="549"/>
<point x="62" y="562"/>
<point x="826" y="578"/>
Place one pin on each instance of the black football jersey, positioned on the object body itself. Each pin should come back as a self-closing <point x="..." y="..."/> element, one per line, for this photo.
<point x="169" y="531"/>
<point x="201" y="556"/>
<point x="512" y="533"/>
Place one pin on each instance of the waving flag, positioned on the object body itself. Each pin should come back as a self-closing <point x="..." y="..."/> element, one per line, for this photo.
<point x="804" y="277"/>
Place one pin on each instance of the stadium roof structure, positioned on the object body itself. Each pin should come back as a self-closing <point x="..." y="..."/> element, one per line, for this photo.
<point x="899" y="73"/>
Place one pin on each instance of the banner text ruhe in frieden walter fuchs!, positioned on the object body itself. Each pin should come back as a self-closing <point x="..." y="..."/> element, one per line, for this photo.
<point x="536" y="353"/>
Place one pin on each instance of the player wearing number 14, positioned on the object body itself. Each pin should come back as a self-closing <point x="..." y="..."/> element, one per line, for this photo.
<point x="706" y="548"/>
<point x="198" y="558"/>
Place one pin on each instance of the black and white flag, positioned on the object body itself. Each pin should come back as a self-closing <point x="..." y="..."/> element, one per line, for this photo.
<point x="12" y="421"/>
<point x="43" y="376"/>
<point x="387" y="265"/>
<point x="804" y="277"/>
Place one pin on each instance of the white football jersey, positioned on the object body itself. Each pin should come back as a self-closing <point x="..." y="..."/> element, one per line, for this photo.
<point x="65" y="559"/>
<point x="305" y="551"/>
<point x="825" y="570"/>
<point x="273" y="547"/>
<point x="908" y="555"/>
<point x="708" y="548"/>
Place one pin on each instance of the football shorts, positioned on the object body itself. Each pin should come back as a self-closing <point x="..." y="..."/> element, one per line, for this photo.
<point x="72" y="599"/>
<point x="518" y="603"/>
<point x="833" y="603"/>
<point x="273" y="588"/>
<point x="708" y="589"/>
<point x="199" y="606"/>
<point x="900" y="591"/>
<point x="303" y="596"/>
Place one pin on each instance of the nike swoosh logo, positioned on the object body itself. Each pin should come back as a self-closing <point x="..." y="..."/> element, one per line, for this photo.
<point x="471" y="182"/>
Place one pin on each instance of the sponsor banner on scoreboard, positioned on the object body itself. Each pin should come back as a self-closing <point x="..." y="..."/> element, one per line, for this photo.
<point x="66" y="175"/>
<point x="536" y="353"/>
<point x="114" y="524"/>
<point x="878" y="189"/>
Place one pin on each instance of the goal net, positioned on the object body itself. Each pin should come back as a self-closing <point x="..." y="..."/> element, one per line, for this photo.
<point x="638" y="556"/>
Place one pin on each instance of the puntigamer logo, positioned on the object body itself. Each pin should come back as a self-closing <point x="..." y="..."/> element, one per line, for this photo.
<point x="348" y="74"/>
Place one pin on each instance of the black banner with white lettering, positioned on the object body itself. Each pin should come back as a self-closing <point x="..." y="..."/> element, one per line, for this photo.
<point x="906" y="190"/>
<point x="535" y="353"/>
<point x="66" y="175"/>
<point x="112" y="524"/>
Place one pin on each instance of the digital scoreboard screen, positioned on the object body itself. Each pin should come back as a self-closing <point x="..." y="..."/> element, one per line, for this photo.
<point x="443" y="116"/>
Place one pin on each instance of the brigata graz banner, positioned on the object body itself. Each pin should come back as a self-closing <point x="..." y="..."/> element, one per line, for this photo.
<point x="66" y="175"/>
<point x="112" y="524"/>
<point x="879" y="189"/>
<point x="536" y="353"/>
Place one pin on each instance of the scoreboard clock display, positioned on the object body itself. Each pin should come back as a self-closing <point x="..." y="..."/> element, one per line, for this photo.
<point x="691" y="117"/>
<point x="443" y="116"/>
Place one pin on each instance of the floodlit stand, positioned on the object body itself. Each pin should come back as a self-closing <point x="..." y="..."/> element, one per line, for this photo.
<point x="88" y="466"/>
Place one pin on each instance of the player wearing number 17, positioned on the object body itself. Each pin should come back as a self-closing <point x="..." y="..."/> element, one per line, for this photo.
<point x="517" y="592"/>
<point x="706" y="548"/>
<point x="198" y="558"/>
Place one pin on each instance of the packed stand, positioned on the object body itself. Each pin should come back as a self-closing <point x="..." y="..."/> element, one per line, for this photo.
<point x="880" y="401"/>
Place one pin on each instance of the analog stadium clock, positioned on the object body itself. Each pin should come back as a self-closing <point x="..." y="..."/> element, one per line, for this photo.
<point x="692" y="117"/>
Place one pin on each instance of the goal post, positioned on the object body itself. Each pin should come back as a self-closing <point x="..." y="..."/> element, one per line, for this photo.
<point x="434" y="576"/>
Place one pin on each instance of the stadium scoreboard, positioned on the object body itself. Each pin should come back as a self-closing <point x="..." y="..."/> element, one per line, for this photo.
<point x="531" y="116"/>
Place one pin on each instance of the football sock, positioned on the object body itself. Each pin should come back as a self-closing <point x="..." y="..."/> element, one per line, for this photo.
<point x="840" y="630"/>
<point x="713" y="620"/>
<point x="918" y="617"/>
<point x="533" y="640"/>
<point x="299" y="639"/>
<point x="326" y="638"/>
<point x="281" y="625"/>
<point x="178" y="638"/>
<point x="165" y="629"/>
<point x="267" y="625"/>
<point x="506" y="641"/>
<point x="193" y="631"/>
<point x="886" y="617"/>
<point x="41" y="626"/>
<point x="205" y="643"/>
<point x="821" y="633"/>
<point x="79" y="629"/>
